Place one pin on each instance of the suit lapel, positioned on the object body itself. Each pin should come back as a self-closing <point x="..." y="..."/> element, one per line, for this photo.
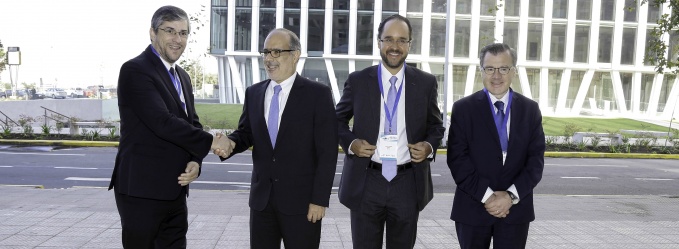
<point x="165" y="75"/>
<point x="295" y="102"/>
<point x="411" y="100"/>
<point x="487" y="115"/>
<point x="259" y="95"/>
<point x="374" y="105"/>
<point x="514" y="116"/>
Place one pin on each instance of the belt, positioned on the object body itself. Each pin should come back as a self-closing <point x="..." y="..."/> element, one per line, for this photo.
<point x="399" y="168"/>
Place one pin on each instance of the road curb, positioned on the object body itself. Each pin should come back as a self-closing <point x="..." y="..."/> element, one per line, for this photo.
<point x="555" y="154"/>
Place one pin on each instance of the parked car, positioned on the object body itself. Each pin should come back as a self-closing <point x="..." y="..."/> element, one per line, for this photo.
<point x="55" y="93"/>
<point x="3" y="95"/>
<point x="75" y="92"/>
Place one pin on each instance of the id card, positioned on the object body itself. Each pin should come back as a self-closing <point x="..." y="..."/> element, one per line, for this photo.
<point x="388" y="147"/>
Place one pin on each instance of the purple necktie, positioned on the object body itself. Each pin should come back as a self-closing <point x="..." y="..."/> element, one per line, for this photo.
<point x="499" y="119"/>
<point x="177" y="86"/>
<point x="273" y="115"/>
<point x="389" y="166"/>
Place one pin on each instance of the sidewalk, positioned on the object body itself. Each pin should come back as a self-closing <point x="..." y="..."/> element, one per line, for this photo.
<point x="87" y="218"/>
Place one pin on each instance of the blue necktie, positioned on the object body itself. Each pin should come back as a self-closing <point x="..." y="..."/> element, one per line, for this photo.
<point x="273" y="115"/>
<point x="499" y="118"/>
<point x="177" y="86"/>
<point x="389" y="166"/>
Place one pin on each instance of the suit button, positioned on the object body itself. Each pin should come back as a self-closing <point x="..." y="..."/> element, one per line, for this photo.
<point x="275" y="180"/>
<point x="273" y="159"/>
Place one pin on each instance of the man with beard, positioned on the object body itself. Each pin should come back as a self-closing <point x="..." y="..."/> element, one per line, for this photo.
<point x="397" y="128"/>
<point x="162" y="143"/>
<point x="289" y="122"/>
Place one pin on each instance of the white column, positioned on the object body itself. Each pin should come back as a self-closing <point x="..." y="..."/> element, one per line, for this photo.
<point x="582" y="92"/>
<point x="474" y="33"/>
<point x="333" y="80"/>
<point x="280" y="7"/>
<point x="426" y="29"/>
<point x="671" y="105"/>
<point x="254" y="28"/>
<point x="652" y="109"/>
<point x="500" y="21"/>
<point x="304" y="27"/>
<point x="327" y="31"/>
<point x="353" y="17"/>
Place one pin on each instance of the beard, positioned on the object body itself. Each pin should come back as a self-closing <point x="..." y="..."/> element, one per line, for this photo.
<point x="392" y="64"/>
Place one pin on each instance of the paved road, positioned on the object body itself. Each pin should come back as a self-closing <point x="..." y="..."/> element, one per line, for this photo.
<point x="67" y="167"/>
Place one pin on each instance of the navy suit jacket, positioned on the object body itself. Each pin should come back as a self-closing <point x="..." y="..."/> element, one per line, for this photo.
<point x="157" y="138"/>
<point x="301" y="168"/>
<point x="361" y="101"/>
<point x="475" y="157"/>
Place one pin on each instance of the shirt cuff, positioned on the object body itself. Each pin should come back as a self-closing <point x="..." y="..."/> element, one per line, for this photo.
<point x="349" y="149"/>
<point x="515" y="192"/>
<point x="489" y="192"/>
<point x="431" y="155"/>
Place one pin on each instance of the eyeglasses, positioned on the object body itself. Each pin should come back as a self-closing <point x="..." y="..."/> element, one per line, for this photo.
<point x="171" y="31"/>
<point x="275" y="53"/>
<point x="391" y="42"/>
<point x="491" y="70"/>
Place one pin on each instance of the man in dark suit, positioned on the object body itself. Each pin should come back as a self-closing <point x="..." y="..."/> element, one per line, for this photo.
<point x="396" y="129"/>
<point x="496" y="156"/>
<point x="290" y="123"/>
<point x="162" y="143"/>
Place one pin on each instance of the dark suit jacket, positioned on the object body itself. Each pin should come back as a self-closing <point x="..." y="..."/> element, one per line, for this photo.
<point x="157" y="138"/>
<point x="301" y="169"/>
<point x="475" y="157"/>
<point x="361" y="100"/>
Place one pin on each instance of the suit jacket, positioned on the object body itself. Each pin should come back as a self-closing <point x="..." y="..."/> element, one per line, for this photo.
<point x="361" y="100"/>
<point x="301" y="168"/>
<point x="475" y="157"/>
<point x="157" y="138"/>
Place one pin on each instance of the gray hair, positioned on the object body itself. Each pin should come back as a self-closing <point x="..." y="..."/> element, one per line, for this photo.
<point x="294" y="39"/>
<point x="168" y="13"/>
<point x="495" y="49"/>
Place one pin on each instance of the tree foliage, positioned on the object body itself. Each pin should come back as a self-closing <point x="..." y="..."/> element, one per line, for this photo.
<point x="664" y="54"/>
<point x="3" y="58"/>
<point x="198" y="76"/>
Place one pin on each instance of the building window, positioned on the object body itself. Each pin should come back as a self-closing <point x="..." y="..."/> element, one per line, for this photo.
<point x="584" y="10"/>
<point x="557" y="47"/>
<point x="486" y="33"/>
<point x="536" y="8"/>
<point x="316" y="31"/>
<point x="629" y="36"/>
<point x="364" y="33"/>
<point x="315" y="69"/>
<point x="461" y="45"/>
<point x="416" y="43"/>
<point x="437" y="42"/>
<point x="665" y="91"/>
<point x="488" y="7"/>
<point x="340" y="4"/>
<point x="243" y="31"/>
<point x="317" y="5"/>
<point x="291" y="20"/>
<point x="340" y="32"/>
<point x="553" y="84"/>
<point x="600" y="93"/>
<point x="459" y="81"/>
<point x="626" y="82"/>
<point x="573" y="87"/>
<point x="630" y="11"/>
<point x="463" y="7"/>
<point x="415" y="5"/>
<point x="267" y="22"/>
<point x="218" y="29"/>
<point x="673" y="51"/>
<point x="534" y="45"/>
<point x="511" y="34"/>
<point x="653" y="12"/>
<point x="605" y="44"/>
<point x="439" y="6"/>
<point x="607" y="10"/>
<point x="265" y="3"/>
<point x="363" y="5"/>
<point x="512" y="7"/>
<point x="341" y="69"/>
<point x="645" y="94"/>
<point x="560" y="9"/>
<point x="389" y="5"/>
<point x="581" y="53"/>
<point x="533" y="75"/>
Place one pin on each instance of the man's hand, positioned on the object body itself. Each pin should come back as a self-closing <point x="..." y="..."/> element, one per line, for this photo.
<point x="190" y="173"/>
<point x="221" y="145"/>
<point x="316" y="213"/>
<point x="498" y="204"/>
<point x="362" y="148"/>
<point x="419" y="151"/>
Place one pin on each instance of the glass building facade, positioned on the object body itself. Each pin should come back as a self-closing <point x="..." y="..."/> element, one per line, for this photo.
<point x="575" y="57"/>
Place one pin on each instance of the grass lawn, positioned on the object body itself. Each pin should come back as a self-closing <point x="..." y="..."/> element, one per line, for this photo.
<point x="225" y="116"/>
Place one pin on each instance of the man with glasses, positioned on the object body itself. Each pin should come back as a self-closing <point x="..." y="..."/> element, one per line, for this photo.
<point x="496" y="151"/>
<point x="289" y="121"/>
<point x="397" y="128"/>
<point x="162" y="143"/>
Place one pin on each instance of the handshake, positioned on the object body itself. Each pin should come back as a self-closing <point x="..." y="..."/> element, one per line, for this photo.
<point x="222" y="146"/>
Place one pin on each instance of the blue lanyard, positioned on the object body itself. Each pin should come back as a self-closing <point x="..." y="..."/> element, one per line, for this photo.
<point x="390" y="116"/>
<point x="175" y="80"/>
<point x="503" y="127"/>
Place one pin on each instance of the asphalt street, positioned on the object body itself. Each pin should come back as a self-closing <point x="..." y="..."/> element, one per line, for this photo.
<point x="55" y="168"/>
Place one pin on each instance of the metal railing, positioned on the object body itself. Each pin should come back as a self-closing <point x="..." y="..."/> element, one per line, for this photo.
<point x="54" y="114"/>
<point x="7" y="120"/>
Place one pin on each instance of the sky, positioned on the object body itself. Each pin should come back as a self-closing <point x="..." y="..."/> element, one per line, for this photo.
<point x="78" y="43"/>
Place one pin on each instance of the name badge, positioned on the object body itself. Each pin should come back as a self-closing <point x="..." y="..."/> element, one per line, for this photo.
<point x="388" y="147"/>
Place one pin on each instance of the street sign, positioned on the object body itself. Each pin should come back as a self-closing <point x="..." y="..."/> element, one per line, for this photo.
<point x="13" y="56"/>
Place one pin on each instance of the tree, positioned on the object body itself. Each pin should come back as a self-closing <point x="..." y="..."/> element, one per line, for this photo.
<point x="198" y="77"/>
<point x="664" y="54"/>
<point x="3" y="58"/>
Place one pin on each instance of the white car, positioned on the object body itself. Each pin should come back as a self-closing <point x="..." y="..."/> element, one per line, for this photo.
<point x="55" y="93"/>
<point x="75" y="92"/>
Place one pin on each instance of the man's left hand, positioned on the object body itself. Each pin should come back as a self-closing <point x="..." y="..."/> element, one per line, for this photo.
<point x="316" y="213"/>
<point x="190" y="173"/>
<point x="419" y="151"/>
<point x="498" y="204"/>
